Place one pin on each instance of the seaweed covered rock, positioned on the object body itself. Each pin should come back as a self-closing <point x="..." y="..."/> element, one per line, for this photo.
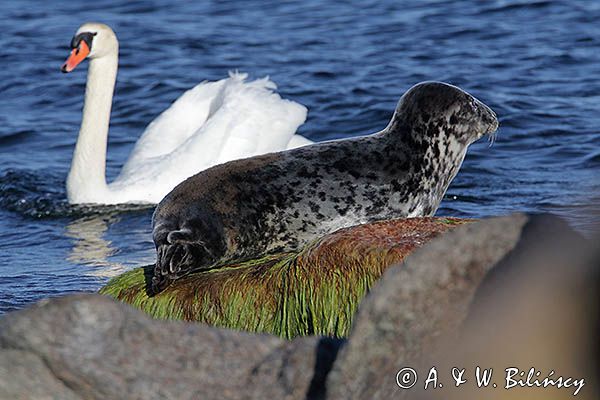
<point x="314" y="291"/>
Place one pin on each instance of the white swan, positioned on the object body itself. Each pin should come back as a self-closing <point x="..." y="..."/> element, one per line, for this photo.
<point x="210" y="124"/>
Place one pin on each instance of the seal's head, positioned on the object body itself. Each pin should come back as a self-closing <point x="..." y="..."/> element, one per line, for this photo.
<point x="431" y="107"/>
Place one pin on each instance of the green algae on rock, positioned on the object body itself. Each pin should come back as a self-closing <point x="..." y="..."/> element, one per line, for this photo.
<point x="315" y="291"/>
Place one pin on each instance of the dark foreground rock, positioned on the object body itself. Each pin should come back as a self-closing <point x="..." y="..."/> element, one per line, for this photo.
<point x="91" y="347"/>
<point x="508" y="292"/>
<point x="515" y="291"/>
<point x="415" y="302"/>
<point x="538" y="308"/>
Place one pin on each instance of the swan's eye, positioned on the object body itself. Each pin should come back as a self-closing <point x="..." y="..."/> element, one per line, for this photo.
<point x="87" y="37"/>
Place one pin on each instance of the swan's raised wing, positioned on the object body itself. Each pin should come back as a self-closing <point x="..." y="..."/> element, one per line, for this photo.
<point x="259" y="121"/>
<point x="243" y="119"/>
<point x="250" y="119"/>
<point x="176" y="124"/>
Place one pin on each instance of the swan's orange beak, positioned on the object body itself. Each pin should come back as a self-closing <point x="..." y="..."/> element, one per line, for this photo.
<point x="77" y="55"/>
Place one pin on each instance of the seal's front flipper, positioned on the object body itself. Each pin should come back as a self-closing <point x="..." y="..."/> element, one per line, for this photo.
<point x="174" y="260"/>
<point x="182" y="248"/>
<point x="178" y="254"/>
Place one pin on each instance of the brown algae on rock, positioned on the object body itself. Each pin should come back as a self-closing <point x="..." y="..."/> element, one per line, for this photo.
<point x="313" y="292"/>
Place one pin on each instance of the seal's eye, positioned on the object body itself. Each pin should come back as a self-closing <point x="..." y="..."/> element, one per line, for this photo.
<point x="473" y="105"/>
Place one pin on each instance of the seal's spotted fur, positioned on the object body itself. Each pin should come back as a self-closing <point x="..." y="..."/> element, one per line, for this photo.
<point x="280" y="201"/>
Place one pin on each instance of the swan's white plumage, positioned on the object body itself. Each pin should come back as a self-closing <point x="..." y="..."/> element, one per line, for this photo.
<point x="212" y="123"/>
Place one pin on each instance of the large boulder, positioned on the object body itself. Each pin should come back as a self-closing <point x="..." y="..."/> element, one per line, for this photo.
<point x="91" y="347"/>
<point x="534" y="320"/>
<point x="312" y="292"/>
<point x="25" y="376"/>
<point x="505" y="292"/>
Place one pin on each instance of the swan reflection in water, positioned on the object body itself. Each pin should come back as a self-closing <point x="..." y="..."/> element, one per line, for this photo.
<point x="90" y="248"/>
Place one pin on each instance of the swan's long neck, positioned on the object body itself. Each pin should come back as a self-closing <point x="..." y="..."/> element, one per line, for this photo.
<point x="87" y="177"/>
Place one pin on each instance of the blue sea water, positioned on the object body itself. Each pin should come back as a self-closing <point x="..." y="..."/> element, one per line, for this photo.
<point x="536" y="63"/>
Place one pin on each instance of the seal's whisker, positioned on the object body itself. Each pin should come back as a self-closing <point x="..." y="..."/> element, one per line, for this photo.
<point x="492" y="138"/>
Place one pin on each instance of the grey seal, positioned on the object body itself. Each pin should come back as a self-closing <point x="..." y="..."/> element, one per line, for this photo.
<point x="281" y="201"/>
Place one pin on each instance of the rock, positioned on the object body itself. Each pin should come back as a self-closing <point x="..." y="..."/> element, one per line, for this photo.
<point x="25" y="376"/>
<point x="314" y="291"/>
<point x="413" y="302"/>
<point x="91" y="347"/>
<point x="538" y="308"/>
<point x="468" y="297"/>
